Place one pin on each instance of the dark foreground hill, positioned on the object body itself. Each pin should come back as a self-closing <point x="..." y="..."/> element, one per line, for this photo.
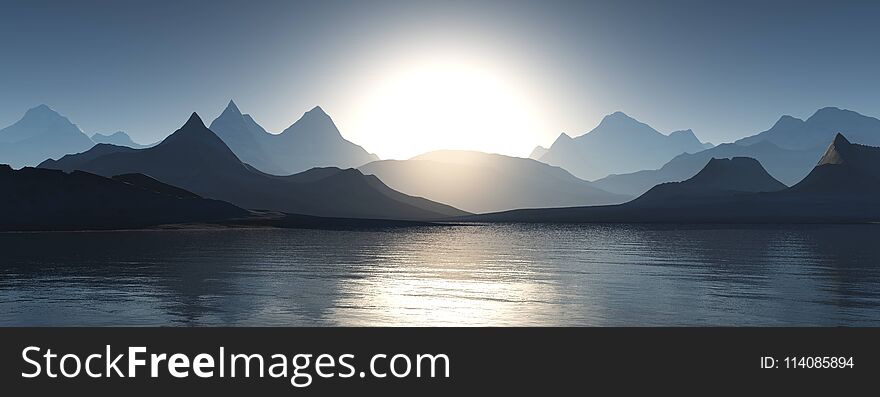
<point x="39" y="199"/>
<point x="720" y="177"/>
<point x="845" y="170"/>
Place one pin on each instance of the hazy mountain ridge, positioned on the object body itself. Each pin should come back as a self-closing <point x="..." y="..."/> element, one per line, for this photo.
<point x="619" y="144"/>
<point x="819" y="130"/>
<point x="841" y="188"/>
<point x="40" y="134"/>
<point x="537" y="152"/>
<point x="118" y="138"/>
<point x="312" y="141"/>
<point x="788" y="150"/>
<point x="481" y="182"/>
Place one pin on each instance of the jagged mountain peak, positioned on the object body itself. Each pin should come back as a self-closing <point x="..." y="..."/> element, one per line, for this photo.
<point x="837" y="151"/>
<point x="315" y="123"/>
<point x="43" y="113"/>
<point x="195" y="137"/>
<point x="845" y="168"/>
<point x="231" y="109"/>
<point x="194" y="121"/>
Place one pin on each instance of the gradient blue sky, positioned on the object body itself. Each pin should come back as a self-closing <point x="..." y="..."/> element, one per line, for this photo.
<point x="725" y="69"/>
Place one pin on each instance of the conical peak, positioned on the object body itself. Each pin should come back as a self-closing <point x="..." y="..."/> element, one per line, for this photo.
<point x="839" y="139"/>
<point x="232" y="108"/>
<point x="194" y="122"/>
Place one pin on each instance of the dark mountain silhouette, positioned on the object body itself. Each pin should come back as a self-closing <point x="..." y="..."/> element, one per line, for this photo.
<point x="313" y="141"/>
<point x="788" y="166"/>
<point x="842" y="188"/>
<point x="619" y="144"/>
<point x="846" y="169"/>
<point x="719" y="177"/>
<point x="40" y="134"/>
<point x="118" y="138"/>
<point x="41" y="199"/>
<point x="788" y="150"/>
<point x="195" y="159"/>
<point x="482" y="182"/>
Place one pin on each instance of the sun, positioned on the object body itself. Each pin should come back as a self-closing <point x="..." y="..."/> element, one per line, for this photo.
<point x="447" y="103"/>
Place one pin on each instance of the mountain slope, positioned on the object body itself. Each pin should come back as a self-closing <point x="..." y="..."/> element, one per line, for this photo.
<point x="40" y="199"/>
<point x="195" y="159"/>
<point x="845" y="169"/>
<point x="40" y="134"/>
<point x="482" y="182"/>
<point x="312" y="141"/>
<point x="619" y="144"/>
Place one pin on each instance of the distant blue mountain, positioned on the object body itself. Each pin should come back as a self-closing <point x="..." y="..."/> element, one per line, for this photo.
<point x="619" y="144"/>
<point x="41" y="134"/>
<point x="312" y="141"/>
<point x="118" y="138"/>
<point x="538" y="152"/>
<point x="819" y="130"/>
<point x="788" y="150"/>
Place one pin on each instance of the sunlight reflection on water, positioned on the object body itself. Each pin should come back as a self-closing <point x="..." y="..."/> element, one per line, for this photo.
<point x="456" y="275"/>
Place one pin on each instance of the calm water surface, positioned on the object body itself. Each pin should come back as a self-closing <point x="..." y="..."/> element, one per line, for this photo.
<point x="455" y="275"/>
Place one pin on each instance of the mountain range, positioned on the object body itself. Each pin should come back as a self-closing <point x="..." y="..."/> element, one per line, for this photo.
<point x="195" y="159"/>
<point x="734" y="182"/>
<point x="788" y="150"/>
<point x="482" y="182"/>
<point x="312" y="141"/>
<point x="40" y="134"/>
<point x="843" y="187"/>
<point x="619" y="144"/>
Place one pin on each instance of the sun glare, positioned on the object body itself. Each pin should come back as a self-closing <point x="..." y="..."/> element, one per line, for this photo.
<point x="446" y="104"/>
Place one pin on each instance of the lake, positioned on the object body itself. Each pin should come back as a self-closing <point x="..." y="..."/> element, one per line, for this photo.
<point x="470" y="275"/>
